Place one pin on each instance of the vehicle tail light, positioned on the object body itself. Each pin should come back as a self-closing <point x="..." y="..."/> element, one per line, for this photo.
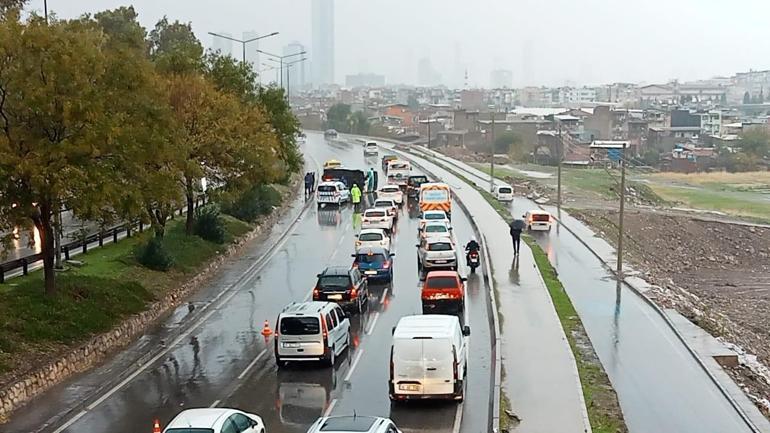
<point x="316" y="294"/>
<point x="391" y="363"/>
<point x="386" y="265"/>
<point x="277" y="332"/>
<point x="358" y="243"/>
<point x="455" y="373"/>
<point x="355" y="264"/>
<point x="353" y="293"/>
<point x="324" y="330"/>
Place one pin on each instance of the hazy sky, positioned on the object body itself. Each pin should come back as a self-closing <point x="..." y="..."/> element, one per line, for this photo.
<point x="544" y="42"/>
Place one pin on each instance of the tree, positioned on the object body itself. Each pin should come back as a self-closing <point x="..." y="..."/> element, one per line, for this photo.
<point x="53" y="127"/>
<point x="747" y="97"/>
<point x="174" y="48"/>
<point x="284" y="123"/>
<point x="338" y="117"/>
<point x="755" y="142"/>
<point x="122" y="28"/>
<point x="506" y="142"/>
<point x="359" y="123"/>
<point x="231" y="76"/>
<point x="9" y="6"/>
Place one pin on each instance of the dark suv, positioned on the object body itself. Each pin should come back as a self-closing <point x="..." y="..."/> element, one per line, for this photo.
<point x="413" y="185"/>
<point x="345" y="286"/>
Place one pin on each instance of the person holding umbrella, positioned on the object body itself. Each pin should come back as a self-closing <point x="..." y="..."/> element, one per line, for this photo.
<point x="517" y="226"/>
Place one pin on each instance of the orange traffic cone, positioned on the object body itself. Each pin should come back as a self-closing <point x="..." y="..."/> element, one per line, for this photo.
<point x="266" y="331"/>
<point x="156" y="426"/>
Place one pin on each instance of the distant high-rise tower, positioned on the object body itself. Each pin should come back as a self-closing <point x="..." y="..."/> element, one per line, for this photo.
<point x="295" y="76"/>
<point x="224" y="46"/>
<point x="322" y="55"/>
<point x="252" y="56"/>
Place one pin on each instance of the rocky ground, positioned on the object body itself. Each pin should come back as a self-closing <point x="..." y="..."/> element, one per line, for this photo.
<point x="715" y="273"/>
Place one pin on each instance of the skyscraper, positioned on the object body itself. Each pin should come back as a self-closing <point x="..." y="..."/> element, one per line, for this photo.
<point x="224" y="46"/>
<point x="322" y="55"/>
<point x="296" y="77"/>
<point x="252" y="56"/>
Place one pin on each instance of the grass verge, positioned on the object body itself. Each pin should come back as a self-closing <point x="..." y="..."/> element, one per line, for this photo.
<point x="110" y="286"/>
<point x="602" y="404"/>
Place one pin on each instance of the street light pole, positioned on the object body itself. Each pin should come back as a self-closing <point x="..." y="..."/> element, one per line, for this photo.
<point x="560" y="156"/>
<point x="492" y="162"/>
<point x="243" y="42"/>
<point x="622" y="208"/>
<point x="280" y="59"/>
<point x="45" y="10"/>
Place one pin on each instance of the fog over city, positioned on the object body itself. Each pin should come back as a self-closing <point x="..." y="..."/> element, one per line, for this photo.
<point x="556" y="42"/>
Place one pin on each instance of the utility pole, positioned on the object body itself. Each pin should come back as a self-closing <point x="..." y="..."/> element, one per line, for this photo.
<point x="622" y="209"/>
<point x="492" y="161"/>
<point x="428" y="132"/>
<point x="45" y="10"/>
<point x="560" y="156"/>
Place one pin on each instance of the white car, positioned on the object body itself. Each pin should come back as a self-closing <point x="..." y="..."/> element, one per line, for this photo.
<point x="503" y="193"/>
<point x="387" y="204"/>
<point x="392" y="192"/>
<point x="332" y="192"/>
<point x="353" y="424"/>
<point x="436" y="253"/>
<point x="370" y="148"/>
<point x="373" y="238"/>
<point x="377" y="219"/>
<point x="434" y="215"/>
<point x="215" y="420"/>
<point x="435" y="229"/>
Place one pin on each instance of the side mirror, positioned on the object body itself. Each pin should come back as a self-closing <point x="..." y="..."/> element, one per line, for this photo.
<point x="418" y="245"/>
<point x="355" y="236"/>
<point x="392" y="330"/>
<point x="393" y="254"/>
<point x="463" y="279"/>
<point x="524" y="216"/>
<point x="352" y="255"/>
<point x="466" y="331"/>
<point x="318" y="275"/>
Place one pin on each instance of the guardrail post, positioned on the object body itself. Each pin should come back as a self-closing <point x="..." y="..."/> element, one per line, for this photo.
<point x="66" y="252"/>
<point x="2" y="275"/>
<point x="101" y="239"/>
<point x="141" y="226"/>
<point x="85" y="245"/>
<point x="115" y="235"/>
<point x="181" y="211"/>
<point x="128" y="230"/>
<point x="24" y="267"/>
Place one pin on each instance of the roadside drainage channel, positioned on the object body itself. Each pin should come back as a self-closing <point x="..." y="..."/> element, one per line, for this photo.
<point x="636" y="288"/>
<point x="496" y="379"/>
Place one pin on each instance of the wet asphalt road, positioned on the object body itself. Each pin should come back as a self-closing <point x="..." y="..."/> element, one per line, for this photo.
<point x="221" y="359"/>
<point x="659" y="384"/>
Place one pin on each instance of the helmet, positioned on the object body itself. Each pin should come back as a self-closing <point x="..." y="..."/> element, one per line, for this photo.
<point x="473" y="238"/>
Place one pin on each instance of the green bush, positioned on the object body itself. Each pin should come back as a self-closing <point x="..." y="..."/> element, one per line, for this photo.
<point x="252" y="204"/>
<point x="209" y="225"/>
<point x="153" y="255"/>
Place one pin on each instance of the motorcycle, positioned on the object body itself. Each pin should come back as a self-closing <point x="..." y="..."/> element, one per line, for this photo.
<point x="473" y="260"/>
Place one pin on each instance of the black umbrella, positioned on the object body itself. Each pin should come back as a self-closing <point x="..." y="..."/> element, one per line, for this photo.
<point x="518" y="224"/>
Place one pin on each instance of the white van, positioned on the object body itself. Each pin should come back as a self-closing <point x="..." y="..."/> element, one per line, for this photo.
<point x="429" y="358"/>
<point x="311" y="331"/>
<point x="503" y="193"/>
<point x="537" y="220"/>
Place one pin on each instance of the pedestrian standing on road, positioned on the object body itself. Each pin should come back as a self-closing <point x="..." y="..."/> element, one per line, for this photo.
<point x="308" y="185"/>
<point x="517" y="226"/>
<point x="355" y="196"/>
<point x="312" y="181"/>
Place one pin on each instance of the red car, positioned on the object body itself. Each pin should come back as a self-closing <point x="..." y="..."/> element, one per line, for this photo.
<point x="443" y="291"/>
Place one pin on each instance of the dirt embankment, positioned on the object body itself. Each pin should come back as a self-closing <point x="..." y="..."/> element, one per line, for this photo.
<point x="716" y="274"/>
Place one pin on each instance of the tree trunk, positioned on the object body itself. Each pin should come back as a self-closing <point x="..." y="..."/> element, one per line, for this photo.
<point x="43" y="224"/>
<point x="190" y="194"/>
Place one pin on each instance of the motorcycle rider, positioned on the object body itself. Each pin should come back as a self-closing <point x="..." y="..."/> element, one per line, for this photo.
<point x="471" y="246"/>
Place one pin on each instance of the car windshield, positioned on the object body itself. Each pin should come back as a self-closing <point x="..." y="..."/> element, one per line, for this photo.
<point x="441" y="283"/>
<point x="390" y="190"/>
<point x="440" y="246"/>
<point x="435" y="228"/>
<point x="541" y="217"/>
<point x="375" y="213"/>
<point x="299" y="326"/>
<point x="505" y="190"/>
<point x="369" y="237"/>
<point x="434" y="216"/>
<point x="335" y="281"/>
<point x="383" y="203"/>
<point x="326" y="188"/>
<point x="367" y="258"/>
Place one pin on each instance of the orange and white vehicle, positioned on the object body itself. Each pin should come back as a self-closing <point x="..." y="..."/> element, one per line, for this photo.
<point x="436" y="196"/>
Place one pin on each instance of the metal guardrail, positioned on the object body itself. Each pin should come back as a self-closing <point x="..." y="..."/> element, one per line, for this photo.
<point x="83" y="244"/>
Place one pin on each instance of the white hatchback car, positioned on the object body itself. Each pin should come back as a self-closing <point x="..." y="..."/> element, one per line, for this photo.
<point x="434" y="215"/>
<point x="392" y="192"/>
<point x="377" y="219"/>
<point x="435" y="229"/>
<point x="387" y="204"/>
<point x="353" y="424"/>
<point x="215" y="420"/>
<point x="373" y="238"/>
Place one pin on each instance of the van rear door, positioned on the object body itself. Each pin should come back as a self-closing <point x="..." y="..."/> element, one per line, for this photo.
<point x="408" y="367"/>
<point x="439" y="367"/>
<point x="300" y="336"/>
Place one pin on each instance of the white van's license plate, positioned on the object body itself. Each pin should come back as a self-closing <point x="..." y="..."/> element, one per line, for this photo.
<point x="290" y="345"/>
<point x="335" y="297"/>
<point x="408" y="387"/>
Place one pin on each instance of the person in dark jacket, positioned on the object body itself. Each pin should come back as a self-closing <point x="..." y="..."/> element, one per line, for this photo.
<point x="517" y="226"/>
<point x="308" y="184"/>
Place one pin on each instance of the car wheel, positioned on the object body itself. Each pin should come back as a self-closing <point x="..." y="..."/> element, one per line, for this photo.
<point x="332" y="358"/>
<point x="280" y="363"/>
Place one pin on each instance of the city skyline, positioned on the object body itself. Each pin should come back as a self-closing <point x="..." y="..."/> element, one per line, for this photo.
<point x="576" y="46"/>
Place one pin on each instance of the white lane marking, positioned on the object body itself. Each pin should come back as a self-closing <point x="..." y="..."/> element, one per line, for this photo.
<point x="329" y="409"/>
<point x="250" y="366"/>
<point x="266" y="257"/>
<point x="216" y="403"/>
<point x="374" y="322"/>
<point x="384" y="296"/>
<point x="353" y="366"/>
<point x="458" y="419"/>
<point x="342" y="238"/>
<point x="72" y="420"/>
